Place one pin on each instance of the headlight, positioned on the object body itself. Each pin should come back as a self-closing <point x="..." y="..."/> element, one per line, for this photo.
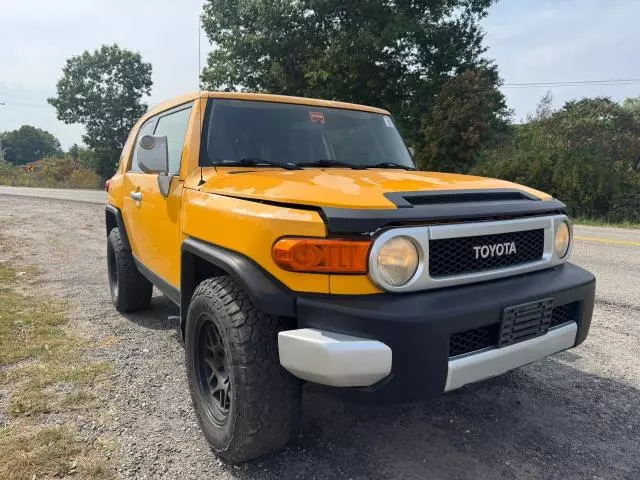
<point x="563" y="239"/>
<point x="397" y="261"/>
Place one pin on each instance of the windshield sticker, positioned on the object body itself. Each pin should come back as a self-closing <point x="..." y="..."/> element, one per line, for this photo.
<point x="388" y="122"/>
<point x="316" y="117"/>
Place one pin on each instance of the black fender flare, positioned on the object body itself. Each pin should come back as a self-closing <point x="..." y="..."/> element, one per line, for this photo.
<point x="266" y="292"/>
<point x="113" y="218"/>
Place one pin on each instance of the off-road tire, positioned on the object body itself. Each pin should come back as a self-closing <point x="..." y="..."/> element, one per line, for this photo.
<point x="130" y="290"/>
<point x="264" y="399"/>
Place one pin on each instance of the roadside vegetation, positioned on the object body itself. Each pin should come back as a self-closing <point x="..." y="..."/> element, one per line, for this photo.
<point x="45" y="387"/>
<point x="50" y="173"/>
<point x="594" y="222"/>
<point x="586" y="153"/>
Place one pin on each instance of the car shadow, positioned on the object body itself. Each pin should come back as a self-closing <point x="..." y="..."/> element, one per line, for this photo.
<point x="547" y="420"/>
<point x="162" y="314"/>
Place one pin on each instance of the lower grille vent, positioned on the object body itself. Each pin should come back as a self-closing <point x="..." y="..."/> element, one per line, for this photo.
<point x="476" y="339"/>
<point x="564" y="314"/>
<point x="472" y="340"/>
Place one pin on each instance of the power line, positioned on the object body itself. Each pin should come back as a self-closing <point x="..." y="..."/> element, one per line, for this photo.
<point x="568" y="83"/>
<point x="574" y="83"/>
<point x="23" y="104"/>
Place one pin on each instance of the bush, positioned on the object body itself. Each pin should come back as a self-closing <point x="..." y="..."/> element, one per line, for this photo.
<point x="585" y="154"/>
<point x="50" y="173"/>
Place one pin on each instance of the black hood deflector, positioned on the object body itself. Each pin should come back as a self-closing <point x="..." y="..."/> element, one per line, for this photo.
<point x="344" y="221"/>
<point x="430" y="207"/>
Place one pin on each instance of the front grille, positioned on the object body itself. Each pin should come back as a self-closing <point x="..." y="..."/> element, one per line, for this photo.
<point x="457" y="256"/>
<point x="476" y="339"/>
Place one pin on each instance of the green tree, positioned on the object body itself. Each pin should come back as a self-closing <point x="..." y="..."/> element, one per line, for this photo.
<point x="74" y="151"/>
<point x="632" y="106"/>
<point x="544" y="109"/>
<point x="28" y="144"/>
<point x="103" y="90"/>
<point x="468" y="113"/>
<point x="88" y="158"/>
<point x="394" y="54"/>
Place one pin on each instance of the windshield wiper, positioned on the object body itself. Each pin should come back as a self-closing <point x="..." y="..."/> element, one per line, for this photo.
<point x="391" y="165"/>
<point x="331" y="163"/>
<point x="256" y="162"/>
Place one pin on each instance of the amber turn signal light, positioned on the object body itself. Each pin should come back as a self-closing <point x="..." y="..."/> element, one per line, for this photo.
<point x="320" y="255"/>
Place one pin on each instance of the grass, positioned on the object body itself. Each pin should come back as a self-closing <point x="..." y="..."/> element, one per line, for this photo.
<point x="46" y="453"/>
<point x="39" y="452"/>
<point x="604" y="223"/>
<point x="42" y="367"/>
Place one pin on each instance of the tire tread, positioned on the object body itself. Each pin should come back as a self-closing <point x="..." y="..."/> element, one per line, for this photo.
<point x="134" y="290"/>
<point x="267" y="396"/>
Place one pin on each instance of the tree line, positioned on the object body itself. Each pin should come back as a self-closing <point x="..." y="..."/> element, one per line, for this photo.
<point x="586" y="153"/>
<point x="424" y="60"/>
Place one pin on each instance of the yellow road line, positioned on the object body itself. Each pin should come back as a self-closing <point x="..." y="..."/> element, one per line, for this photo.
<point x="609" y="241"/>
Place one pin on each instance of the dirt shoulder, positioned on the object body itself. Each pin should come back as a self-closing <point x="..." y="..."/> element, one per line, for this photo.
<point x="570" y="416"/>
<point x="50" y="389"/>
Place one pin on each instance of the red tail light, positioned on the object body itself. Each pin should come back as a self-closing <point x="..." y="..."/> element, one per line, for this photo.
<point x="107" y="183"/>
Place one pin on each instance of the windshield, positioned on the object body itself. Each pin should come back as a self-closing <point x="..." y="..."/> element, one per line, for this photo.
<point x="240" y="132"/>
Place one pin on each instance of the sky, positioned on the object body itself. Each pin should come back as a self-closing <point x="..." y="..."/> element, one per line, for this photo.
<point x="537" y="41"/>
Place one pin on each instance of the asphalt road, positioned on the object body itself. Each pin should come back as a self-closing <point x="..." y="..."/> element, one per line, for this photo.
<point x="571" y="416"/>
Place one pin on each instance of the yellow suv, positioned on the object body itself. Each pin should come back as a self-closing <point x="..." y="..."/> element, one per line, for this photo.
<point x="301" y="244"/>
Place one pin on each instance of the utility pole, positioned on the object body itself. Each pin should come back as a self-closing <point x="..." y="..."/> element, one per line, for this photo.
<point x="1" y="150"/>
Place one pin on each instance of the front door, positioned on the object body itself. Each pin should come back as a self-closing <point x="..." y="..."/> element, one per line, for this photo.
<point x="152" y="220"/>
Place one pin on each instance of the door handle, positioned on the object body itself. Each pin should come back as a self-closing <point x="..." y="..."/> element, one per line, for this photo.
<point x="136" y="196"/>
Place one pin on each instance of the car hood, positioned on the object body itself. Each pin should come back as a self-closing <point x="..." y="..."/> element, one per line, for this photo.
<point x="342" y="188"/>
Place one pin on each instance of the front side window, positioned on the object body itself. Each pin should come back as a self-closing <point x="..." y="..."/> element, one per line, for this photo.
<point x="145" y="129"/>
<point x="174" y="127"/>
<point x="239" y="131"/>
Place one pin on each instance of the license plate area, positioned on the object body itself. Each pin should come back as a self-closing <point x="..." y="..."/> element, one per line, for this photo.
<point x="525" y="321"/>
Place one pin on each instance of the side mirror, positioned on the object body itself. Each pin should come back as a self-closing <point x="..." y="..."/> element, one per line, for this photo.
<point x="412" y="152"/>
<point x="153" y="157"/>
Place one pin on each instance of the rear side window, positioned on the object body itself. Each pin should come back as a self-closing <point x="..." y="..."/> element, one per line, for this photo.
<point x="174" y="127"/>
<point x="145" y="129"/>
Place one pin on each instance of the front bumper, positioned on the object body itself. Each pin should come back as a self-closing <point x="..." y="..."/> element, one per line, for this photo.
<point x="496" y="361"/>
<point x="417" y="327"/>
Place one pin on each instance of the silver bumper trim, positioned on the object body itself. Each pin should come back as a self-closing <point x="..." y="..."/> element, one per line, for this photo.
<point x="490" y="363"/>
<point x="332" y="358"/>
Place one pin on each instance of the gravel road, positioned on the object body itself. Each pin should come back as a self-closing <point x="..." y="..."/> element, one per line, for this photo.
<point x="572" y="416"/>
<point x="90" y="196"/>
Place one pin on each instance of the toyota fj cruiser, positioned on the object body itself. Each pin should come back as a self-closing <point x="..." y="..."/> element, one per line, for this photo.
<point x="301" y="244"/>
